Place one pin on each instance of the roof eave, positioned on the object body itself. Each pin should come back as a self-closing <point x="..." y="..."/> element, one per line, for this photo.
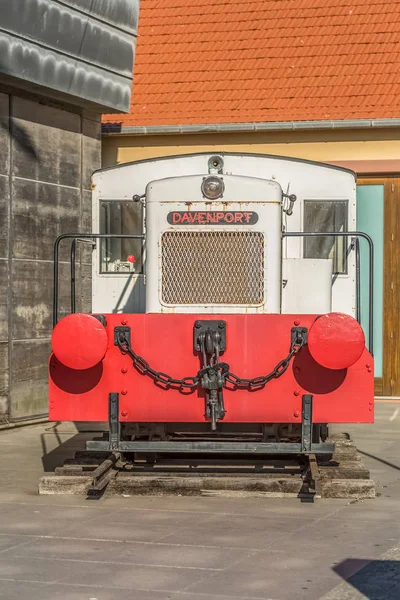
<point x="119" y="129"/>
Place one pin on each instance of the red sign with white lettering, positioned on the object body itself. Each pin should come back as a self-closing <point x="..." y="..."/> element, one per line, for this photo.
<point x="212" y="217"/>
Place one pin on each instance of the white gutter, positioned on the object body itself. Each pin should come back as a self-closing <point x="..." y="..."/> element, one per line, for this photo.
<point x="118" y="129"/>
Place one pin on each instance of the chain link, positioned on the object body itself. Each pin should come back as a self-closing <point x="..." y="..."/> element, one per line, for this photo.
<point x="190" y="383"/>
<point x="257" y="383"/>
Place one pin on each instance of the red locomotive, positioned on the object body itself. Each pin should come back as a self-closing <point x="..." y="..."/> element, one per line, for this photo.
<point x="226" y="309"/>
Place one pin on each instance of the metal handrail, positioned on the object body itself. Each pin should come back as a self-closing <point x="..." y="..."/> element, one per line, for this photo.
<point x="350" y="234"/>
<point x="80" y="236"/>
<point x="73" y="269"/>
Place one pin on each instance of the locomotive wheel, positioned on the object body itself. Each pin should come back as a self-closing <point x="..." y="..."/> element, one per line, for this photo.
<point x="320" y="433"/>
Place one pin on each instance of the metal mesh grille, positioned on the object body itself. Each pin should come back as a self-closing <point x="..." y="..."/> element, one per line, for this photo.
<point x="212" y="267"/>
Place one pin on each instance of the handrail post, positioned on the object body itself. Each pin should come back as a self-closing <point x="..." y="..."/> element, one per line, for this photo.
<point x="73" y="276"/>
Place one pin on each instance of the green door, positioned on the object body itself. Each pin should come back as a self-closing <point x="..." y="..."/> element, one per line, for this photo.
<point x="370" y="220"/>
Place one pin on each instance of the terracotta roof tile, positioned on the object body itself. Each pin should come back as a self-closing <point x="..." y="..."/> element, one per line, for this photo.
<point x="232" y="61"/>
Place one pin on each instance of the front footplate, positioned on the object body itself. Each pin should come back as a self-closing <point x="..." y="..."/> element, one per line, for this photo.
<point x="306" y="445"/>
<point x="206" y="447"/>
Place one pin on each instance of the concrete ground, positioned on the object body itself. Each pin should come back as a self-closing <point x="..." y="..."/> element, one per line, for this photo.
<point x="195" y="548"/>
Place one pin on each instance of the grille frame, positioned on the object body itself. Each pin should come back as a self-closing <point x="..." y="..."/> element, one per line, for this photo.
<point x="244" y="232"/>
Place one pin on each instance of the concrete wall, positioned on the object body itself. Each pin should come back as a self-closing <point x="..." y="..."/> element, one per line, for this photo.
<point x="368" y="146"/>
<point x="47" y="154"/>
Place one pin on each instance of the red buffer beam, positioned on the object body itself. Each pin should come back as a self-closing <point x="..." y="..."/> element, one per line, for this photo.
<point x="334" y="367"/>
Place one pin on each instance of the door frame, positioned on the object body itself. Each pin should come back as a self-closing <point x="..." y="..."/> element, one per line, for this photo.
<point x="389" y="383"/>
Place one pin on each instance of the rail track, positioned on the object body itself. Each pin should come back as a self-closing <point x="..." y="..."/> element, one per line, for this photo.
<point x="94" y="474"/>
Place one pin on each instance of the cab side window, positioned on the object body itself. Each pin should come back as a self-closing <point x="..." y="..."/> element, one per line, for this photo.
<point x="121" y="255"/>
<point x="326" y="216"/>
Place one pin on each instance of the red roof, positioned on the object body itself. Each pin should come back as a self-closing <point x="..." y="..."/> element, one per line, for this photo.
<point x="231" y="61"/>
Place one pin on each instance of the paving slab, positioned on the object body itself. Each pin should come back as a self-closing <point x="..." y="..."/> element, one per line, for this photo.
<point x="10" y="542"/>
<point x="160" y="554"/>
<point x="13" y="590"/>
<point x="194" y="548"/>
<point x="265" y="584"/>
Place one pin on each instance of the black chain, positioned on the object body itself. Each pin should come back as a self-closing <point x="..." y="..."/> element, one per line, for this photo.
<point x="257" y="383"/>
<point x="191" y="383"/>
<point x="143" y="367"/>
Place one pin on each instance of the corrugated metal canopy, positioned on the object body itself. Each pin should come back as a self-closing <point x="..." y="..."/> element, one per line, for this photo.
<point x="81" y="49"/>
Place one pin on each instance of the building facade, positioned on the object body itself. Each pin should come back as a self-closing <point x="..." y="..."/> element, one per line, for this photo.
<point x="296" y="79"/>
<point x="62" y="64"/>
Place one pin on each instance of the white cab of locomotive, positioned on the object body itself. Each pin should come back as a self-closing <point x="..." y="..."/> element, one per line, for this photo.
<point x="303" y="275"/>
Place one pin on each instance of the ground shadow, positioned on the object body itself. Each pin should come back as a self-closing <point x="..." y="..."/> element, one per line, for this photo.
<point x="381" y="460"/>
<point x="60" y="441"/>
<point x="375" y="579"/>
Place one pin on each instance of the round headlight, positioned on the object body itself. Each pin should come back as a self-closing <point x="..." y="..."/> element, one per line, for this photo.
<point x="212" y="187"/>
